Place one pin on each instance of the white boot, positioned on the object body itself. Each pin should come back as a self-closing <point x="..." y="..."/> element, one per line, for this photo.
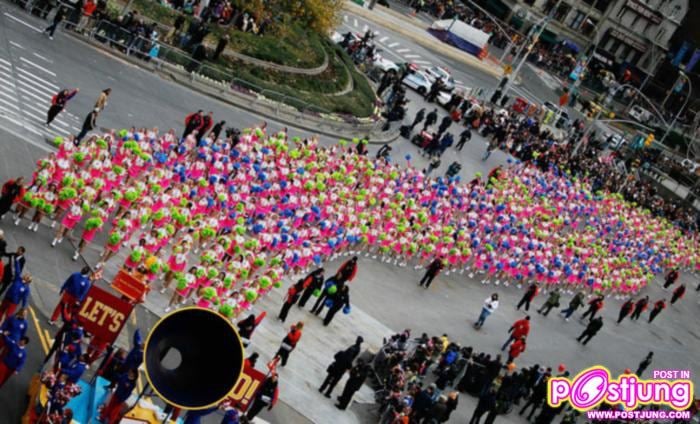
<point x="16" y="222"/>
<point x="53" y="224"/>
<point x="76" y="255"/>
<point x="54" y="243"/>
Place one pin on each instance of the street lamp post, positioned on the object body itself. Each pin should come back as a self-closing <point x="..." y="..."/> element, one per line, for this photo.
<point x="542" y="24"/>
<point x="675" y="118"/>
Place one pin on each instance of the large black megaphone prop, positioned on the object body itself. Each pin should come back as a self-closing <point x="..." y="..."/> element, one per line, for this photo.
<point x="193" y="358"/>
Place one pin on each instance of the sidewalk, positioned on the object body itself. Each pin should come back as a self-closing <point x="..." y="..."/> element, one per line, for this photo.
<point x="416" y="30"/>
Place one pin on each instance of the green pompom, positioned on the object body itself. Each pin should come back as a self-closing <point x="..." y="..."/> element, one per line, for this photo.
<point x="316" y="293"/>
<point x="251" y="295"/>
<point x="333" y="289"/>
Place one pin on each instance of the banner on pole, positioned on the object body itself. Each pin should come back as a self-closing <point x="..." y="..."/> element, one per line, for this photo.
<point x="247" y="386"/>
<point x="103" y="314"/>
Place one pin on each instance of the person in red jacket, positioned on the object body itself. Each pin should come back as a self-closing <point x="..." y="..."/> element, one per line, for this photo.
<point x="625" y="310"/>
<point x="289" y="342"/>
<point x="640" y="307"/>
<point x="519" y="329"/>
<point x="516" y="349"/>
<point x="529" y="295"/>
<point x="12" y="191"/>
<point x="347" y="271"/>
<point x="658" y="307"/>
<point x="671" y="278"/>
<point x="678" y="294"/>
<point x="293" y="295"/>
<point x="594" y="306"/>
<point x="207" y="123"/>
<point x="192" y="122"/>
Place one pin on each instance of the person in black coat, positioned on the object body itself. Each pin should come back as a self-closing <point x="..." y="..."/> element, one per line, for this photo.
<point x="266" y="396"/>
<point x="430" y="119"/>
<point x="539" y="393"/>
<point x="464" y="137"/>
<point x="312" y="282"/>
<point x="321" y="301"/>
<point x="591" y="330"/>
<point x="15" y="266"/>
<point x="487" y="401"/>
<point x="431" y="272"/>
<point x="342" y="362"/>
<point x="527" y="297"/>
<point x="444" y="125"/>
<point x="341" y="299"/>
<point x="358" y="375"/>
<point x="418" y="119"/>
<point x="422" y="403"/>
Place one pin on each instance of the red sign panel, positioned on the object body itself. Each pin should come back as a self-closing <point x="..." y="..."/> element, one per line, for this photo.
<point x="248" y="384"/>
<point x="104" y="314"/>
<point x="129" y="286"/>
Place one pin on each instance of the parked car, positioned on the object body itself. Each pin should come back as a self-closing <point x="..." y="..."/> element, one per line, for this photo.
<point x="438" y="72"/>
<point x="418" y="81"/>
<point x="613" y="141"/>
<point x="642" y="115"/>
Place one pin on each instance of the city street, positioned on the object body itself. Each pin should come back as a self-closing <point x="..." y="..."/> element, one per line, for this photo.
<point x="386" y="298"/>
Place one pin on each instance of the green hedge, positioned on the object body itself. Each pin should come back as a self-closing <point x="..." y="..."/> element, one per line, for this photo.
<point x="294" y="46"/>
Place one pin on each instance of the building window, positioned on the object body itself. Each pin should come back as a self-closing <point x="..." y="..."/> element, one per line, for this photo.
<point x="561" y="12"/>
<point x="549" y="6"/>
<point x="660" y="34"/>
<point x="588" y="26"/>
<point x="646" y="27"/>
<point x="600" y="5"/>
<point x="578" y="19"/>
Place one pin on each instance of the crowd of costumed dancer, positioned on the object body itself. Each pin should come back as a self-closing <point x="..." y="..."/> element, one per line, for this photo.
<point x="220" y="223"/>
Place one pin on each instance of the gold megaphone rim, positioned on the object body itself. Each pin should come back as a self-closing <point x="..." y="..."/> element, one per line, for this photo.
<point x="148" y="339"/>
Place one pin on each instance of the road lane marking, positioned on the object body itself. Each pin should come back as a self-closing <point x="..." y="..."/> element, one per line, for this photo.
<point x="412" y="56"/>
<point x="38" y="79"/>
<point x="29" y="62"/>
<point x="355" y="23"/>
<point x="29" y="85"/>
<point x="22" y="22"/>
<point x="35" y="85"/>
<point x="392" y="45"/>
<point x="12" y="105"/>
<point x="345" y="18"/>
<point x="42" y="57"/>
<point x="383" y="39"/>
<point x="19" y="46"/>
<point x="5" y="62"/>
<point x="38" y="328"/>
<point x="24" y="92"/>
<point x="403" y="50"/>
<point x="421" y="62"/>
<point x="365" y="28"/>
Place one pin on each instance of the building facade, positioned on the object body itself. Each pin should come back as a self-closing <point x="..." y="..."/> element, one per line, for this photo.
<point x="633" y="33"/>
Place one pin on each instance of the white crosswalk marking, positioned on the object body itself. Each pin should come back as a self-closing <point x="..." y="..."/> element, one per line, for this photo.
<point x="421" y="62"/>
<point x="364" y="28"/>
<point x="345" y="18"/>
<point x="26" y="89"/>
<point x="29" y="62"/>
<point x="19" y="46"/>
<point x="383" y="39"/>
<point x="355" y="23"/>
<point x="411" y="56"/>
<point x="392" y="45"/>
<point x="12" y="105"/>
<point x="37" y="79"/>
<point x="403" y="50"/>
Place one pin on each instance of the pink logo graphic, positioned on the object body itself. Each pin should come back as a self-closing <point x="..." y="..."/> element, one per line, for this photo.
<point x="594" y="386"/>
